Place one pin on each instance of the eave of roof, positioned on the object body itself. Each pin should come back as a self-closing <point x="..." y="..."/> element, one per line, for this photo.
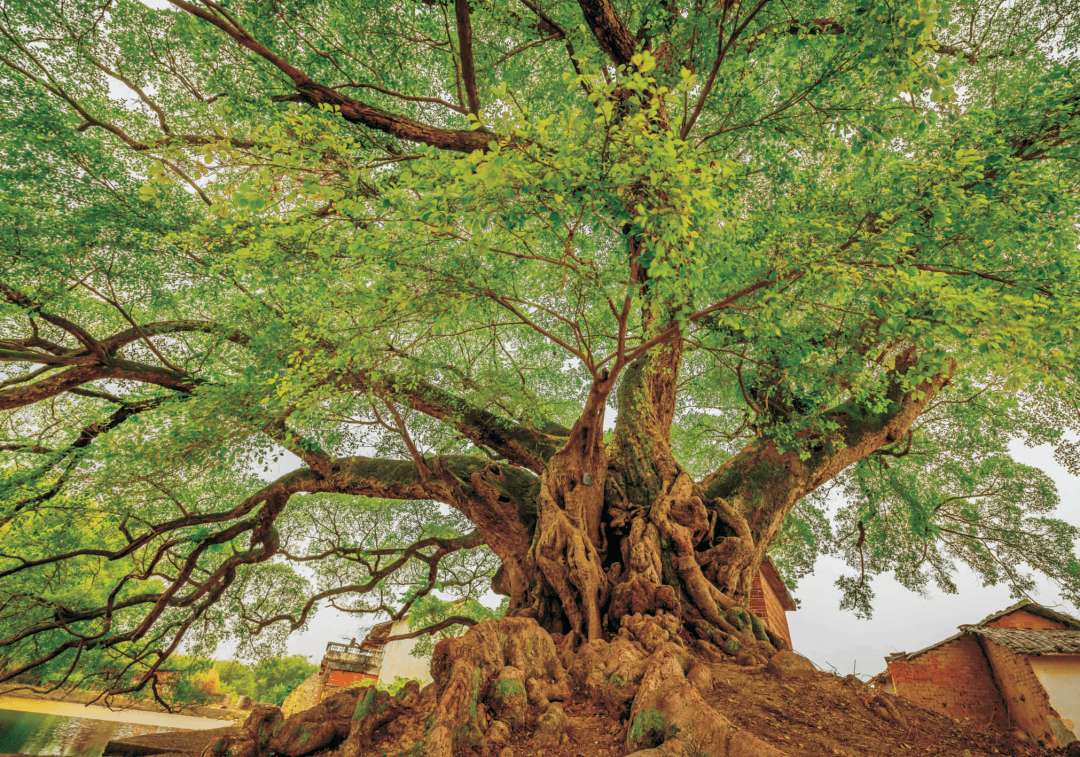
<point x="1030" y="641"/>
<point x="924" y="650"/>
<point x="776" y="583"/>
<point x="1032" y="607"/>
<point x="1035" y="609"/>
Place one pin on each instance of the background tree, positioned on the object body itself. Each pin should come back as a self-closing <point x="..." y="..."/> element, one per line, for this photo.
<point x="625" y="288"/>
<point x="276" y="677"/>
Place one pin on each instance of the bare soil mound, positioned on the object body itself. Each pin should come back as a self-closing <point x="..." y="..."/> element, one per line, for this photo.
<point x="819" y="715"/>
<point x="508" y="689"/>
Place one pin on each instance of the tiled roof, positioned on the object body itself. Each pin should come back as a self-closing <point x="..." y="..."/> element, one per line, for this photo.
<point x="1018" y="640"/>
<point x="1035" y="609"/>
<point x="1034" y="641"/>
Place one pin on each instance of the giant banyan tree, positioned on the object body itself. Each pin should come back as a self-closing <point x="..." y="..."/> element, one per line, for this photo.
<point x="594" y="304"/>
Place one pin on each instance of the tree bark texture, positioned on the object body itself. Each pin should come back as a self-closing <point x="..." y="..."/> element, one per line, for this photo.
<point x="626" y="541"/>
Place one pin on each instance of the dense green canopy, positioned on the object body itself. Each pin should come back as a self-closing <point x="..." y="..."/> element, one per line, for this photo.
<point x="790" y="249"/>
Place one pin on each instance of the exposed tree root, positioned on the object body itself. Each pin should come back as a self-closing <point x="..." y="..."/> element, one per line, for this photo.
<point x="508" y="667"/>
<point x="670" y="718"/>
<point x="506" y="674"/>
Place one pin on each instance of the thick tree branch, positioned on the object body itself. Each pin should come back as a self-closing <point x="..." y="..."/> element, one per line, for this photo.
<point x="16" y="297"/>
<point x="860" y="433"/>
<point x="454" y="620"/>
<point x="355" y="111"/>
<point x="122" y="370"/>
<point x="521" y="444"/>
<point x="610" y="32"/>
<point x="462" y="15"/>
<point x="160" y="328"/>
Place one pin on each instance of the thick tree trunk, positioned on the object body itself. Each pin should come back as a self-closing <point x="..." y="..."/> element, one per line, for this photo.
<point x="627" y="543"/>
<point x="618" y="542"/>
<point x="569" y="589"/>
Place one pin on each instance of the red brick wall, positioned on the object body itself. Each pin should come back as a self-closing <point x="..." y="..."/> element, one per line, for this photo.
<point x="764" y="603"/>
<point x="1025" y="619"/>
<point x="954" y="678"/>
<point x="345" y="679"/>
<point x="1025" y="697"/>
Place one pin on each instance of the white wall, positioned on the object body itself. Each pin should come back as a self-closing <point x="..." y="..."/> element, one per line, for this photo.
<point x="398" y="662"/>
<point x="1060" y="676"/>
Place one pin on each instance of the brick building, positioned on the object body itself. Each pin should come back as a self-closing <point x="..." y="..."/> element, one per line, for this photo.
<point x="342" y="666"/>
<point x="361" y="664"/>
<point x="770" y="600"/>
<point x="1017" y="669"/>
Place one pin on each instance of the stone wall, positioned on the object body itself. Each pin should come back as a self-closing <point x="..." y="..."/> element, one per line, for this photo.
<point x="305" y="696"/>
<point x="954" y="678"/>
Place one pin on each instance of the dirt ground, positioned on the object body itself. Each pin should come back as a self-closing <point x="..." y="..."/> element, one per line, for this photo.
<point x="819" y="715"/>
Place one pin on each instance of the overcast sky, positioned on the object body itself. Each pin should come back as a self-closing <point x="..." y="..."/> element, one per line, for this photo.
<point x="904" y="621"/>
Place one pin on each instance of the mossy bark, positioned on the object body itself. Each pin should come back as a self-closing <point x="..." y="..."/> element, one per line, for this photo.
<point x="624" y="538"/>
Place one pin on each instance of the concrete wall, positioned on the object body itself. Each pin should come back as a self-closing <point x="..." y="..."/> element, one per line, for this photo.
<point x="765" y="604"/>
<point x="954" y="678"/>
<point x="397" y="660"/>
<point x="1024" y="696"/>
<point x="1060" y="678"/>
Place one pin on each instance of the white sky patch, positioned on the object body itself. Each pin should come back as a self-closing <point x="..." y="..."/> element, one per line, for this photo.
<point x="904" y="621"/>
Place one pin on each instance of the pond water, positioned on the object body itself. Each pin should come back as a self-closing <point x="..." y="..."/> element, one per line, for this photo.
<point x="41" y="733"/>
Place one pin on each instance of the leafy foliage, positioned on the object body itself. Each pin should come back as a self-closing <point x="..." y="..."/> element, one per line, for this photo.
<point x="332" y="238"/>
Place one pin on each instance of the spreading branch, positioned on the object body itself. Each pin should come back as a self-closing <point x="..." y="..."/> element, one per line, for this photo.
<point x="312" y="93"/>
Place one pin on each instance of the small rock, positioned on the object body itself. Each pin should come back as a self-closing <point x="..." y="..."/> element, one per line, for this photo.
<point x="701" y="677"/>
<point x="498" y="732"/>
<point x="745" y="659"/>
<point x="550" y="727"/>
<point x="882" y="706"/>
<point x="1020" y="736"/>
<point x="852" y="682"/>
<point x="787" y="664"/>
